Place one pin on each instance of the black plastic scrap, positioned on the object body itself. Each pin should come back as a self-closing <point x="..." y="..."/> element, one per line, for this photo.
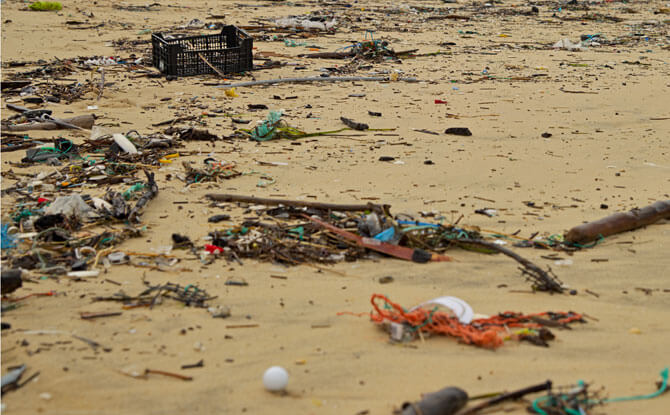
<point x="464" y="131"/>
<point x="11" y="280"/>
<point x="354" y="125"/>
<point x="446" y="401"/>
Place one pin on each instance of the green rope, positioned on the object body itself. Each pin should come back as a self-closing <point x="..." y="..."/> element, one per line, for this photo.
<point x="300" y="231"/>
<point x="134" y="188"/>
<point x="662" y="389"/>
<point x="428" y="321"/>
<point x="23" y="214"/>
<point x="188" y="287"/>
<point x="596" y="242"/>
<point x="105" y="240"/>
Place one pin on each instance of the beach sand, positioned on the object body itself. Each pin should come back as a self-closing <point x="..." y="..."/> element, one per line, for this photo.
<point x="608" y="145"/>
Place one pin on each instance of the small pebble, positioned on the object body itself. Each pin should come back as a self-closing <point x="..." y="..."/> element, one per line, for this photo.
<point x="386" y="280"/>
<point x="635" y="330"/>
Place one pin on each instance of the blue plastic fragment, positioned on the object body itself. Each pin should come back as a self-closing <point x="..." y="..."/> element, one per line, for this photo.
<point x="385" y="235"/>
<point x="6" y="240"/>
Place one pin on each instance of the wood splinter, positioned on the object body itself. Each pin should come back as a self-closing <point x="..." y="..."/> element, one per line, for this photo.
<point x="170" y="374"/>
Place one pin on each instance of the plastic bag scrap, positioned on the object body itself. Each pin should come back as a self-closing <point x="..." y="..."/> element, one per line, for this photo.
<point x="62" y="148"/>
<point x="307" y="24"/>
<point x="70" y="205"/>
<point x="6" y="239"/>
<point x="268" y="128"/>
<point x="567" y="44"/>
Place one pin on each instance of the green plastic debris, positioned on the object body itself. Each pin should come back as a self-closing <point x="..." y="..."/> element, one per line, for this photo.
<point x="133" y="189"/>
<point x="274" y="127"/>
<point x="268" y="128"/>
<point x="42" y="6"/>
<point x="292" y="43"/>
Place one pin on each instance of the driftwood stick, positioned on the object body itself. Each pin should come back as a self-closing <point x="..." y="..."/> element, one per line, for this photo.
<point x="152" y="192"/>
<point x="61" y="123"/>
<point x="619" y="222"/>
<point x="16" y="147"/>
<point x="17" y="108"/>
<point x="79" y="122"/>
<point x="315" y="79"/>
<point x="214" y="68"/>
<point x="546" y="386"/>
<point x="102" y="82"/>
<point x="294" y="203"/>
<point x="328" y="55"/>
<point x="542" y="279"/>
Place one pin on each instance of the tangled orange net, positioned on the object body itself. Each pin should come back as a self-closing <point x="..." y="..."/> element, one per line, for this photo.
<point x="484" y="332"/>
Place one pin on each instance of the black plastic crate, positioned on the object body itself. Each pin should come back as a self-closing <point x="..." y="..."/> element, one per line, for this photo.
<point x="228" y="51"/>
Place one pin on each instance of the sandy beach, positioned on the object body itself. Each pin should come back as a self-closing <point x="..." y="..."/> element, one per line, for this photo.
<point x="604" y="109"/>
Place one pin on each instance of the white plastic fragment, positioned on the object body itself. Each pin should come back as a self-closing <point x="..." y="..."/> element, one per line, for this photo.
<point x="567" y="44"/>
<point x="563" y="262"/>
<point x="84" y="274"/>
<point x="70" y="205"/>
<point x="101" y="204"/>
<point x="299" y="23"/>
<point x="460" y="308"/>
<point x="124" y="143"/>
<point x="397" y="331"/>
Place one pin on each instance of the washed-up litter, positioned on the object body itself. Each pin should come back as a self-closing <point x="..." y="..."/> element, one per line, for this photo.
<point x="69" y="206"/>
<point x="589" y="235"/>
<point x="226" y="52"/>
<point x="190" y="295"/>
<point x="458" y="131"/>
<point x="446" y="401"/>
<point x="46" y="122"/>
<point x="619" y="222"/>
<point x="11" y="280"/>
<point x="300" y="239"/>
<point x="567" y="45"/>
<point x="53" y="241"/>
<point x="11" y="378"/>
<point x="354" y="125"/>
<point x="212" y="172"/>
<point x="46" y="6"/>
<point x="80" y="185"/>
<point x="490" y="332"/>
<point x="320" y="79"/>
<point x="274" y="127"/>
<point x="581" y="398"/>
<point x="307" y="23"/>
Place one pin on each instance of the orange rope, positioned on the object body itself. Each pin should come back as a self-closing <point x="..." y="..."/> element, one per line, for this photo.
<point x="484" y="332"/>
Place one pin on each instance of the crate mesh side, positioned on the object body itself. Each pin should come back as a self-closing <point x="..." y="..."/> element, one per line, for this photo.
<point x="227" y="51"/>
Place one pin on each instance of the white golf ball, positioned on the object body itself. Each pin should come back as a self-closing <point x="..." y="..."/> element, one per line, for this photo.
<point x="275" y="379"/>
